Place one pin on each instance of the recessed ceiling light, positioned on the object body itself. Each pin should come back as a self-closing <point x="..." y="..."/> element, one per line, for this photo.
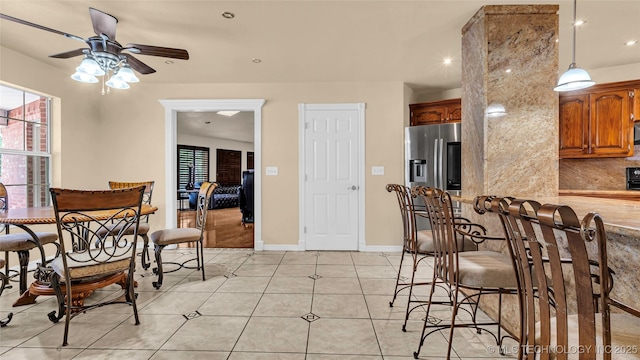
<point x="631" y="42"/>
<point x="447" y="61"/>
<point x="579" y="22"/>
<point x="227" y="112"/>
<point x="228" y="15"/>
<point x="256" y="60"/>
<point x="508" y="71"/>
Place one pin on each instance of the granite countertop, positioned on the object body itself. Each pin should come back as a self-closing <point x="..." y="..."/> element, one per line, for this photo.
<point x="620" y="216"/>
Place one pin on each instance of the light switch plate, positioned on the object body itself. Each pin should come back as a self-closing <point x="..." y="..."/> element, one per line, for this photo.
<point x="272" y="170"/>
<point x="377" y="170"/>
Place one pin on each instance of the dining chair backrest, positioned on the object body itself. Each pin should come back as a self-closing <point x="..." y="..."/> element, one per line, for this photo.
<point x="148" y="190"/>
<point x="81" y="217"/>
<point x="4" y="205"/>
<point x="407" y="212"/>
<point x="4" y="198"/>
<point x="202" y="205"/>
<point x="553" y="246"/>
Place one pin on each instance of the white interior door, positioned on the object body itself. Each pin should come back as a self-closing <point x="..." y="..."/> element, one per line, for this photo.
<point x="331" y="177"/>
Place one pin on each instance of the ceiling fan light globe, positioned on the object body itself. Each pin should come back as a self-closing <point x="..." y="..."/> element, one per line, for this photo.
<point x="90" y="67"/>
<point x="83" y="77"/>
<point x="126" y="74"/>
<point x="117" y="83"/>
<point x="574" y="79"/>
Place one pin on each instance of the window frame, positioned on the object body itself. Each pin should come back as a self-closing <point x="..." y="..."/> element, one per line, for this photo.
<point x="31" y="155"/>
<point x="199" y="176"/>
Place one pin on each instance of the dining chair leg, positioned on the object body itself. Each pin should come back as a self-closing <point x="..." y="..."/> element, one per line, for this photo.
<point x="131" y="296"/>
<point x="201" y="260"/>
<point x="158" y="270"/>
<point x="55" y="284"/>
<point x="23" y="259"/>
<point x="145" y="259"/>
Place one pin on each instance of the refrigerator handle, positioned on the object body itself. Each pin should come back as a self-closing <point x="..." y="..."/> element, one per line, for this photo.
<point x="440" y="156"/>
<point x="435" y="163"/>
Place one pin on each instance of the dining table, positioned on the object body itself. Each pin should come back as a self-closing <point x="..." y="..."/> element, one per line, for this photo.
<point x="25" y="219"/>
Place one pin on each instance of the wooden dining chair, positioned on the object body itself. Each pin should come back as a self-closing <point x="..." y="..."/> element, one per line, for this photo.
<point x="21" y="243"/>
<point x="467" y="275"/>
<point x="91" y="258"/>
<point x="143" y="229"/>
<point x="572" y="316"/>
<point x="162" y="238"/>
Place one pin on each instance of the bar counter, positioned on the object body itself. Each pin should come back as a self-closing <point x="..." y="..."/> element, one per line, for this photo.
<point x="620" y="213"/>
<point x="622" y="224"/>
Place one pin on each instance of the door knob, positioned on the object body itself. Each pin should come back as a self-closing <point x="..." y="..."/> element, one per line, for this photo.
<point x="353" y="187"/>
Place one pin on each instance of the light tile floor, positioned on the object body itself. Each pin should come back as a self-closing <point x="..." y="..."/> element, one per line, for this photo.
<point x="253" y="305"/>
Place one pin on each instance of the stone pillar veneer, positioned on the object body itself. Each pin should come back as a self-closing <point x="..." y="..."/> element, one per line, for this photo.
<point x="510" y="56"/>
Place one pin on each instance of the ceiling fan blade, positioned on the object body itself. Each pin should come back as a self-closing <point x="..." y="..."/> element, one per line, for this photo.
<point x="138" y="65"/>
<point x="103" y="23"/>
<point x="24" y="22"/>
<point x="160" y="51"/>
<point x="69" y="54"/>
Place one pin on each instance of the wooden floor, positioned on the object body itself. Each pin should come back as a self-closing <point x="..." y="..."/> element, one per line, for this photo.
<point x="224" y="228"/>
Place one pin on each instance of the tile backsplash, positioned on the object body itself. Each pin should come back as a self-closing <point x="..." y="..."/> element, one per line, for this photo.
<point x="596" y="174"/>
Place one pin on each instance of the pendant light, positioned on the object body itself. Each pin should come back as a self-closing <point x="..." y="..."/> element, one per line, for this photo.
<point x="575" y="78"/>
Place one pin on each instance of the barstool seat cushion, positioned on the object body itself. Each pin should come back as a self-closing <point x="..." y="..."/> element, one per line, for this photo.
<point x="625" y="332"/>
<point x="487" y="269"/>
<point x="175" y="236"/>
<point x="425" y="243"/>
<point x="24" y="241"/>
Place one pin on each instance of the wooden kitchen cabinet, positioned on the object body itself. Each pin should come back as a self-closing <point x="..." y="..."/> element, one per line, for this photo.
<point x="598" y="121"/>
<point x="436" y="112"/>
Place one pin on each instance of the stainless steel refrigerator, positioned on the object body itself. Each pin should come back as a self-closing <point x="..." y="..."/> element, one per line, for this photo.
<point x="433" y="158"/>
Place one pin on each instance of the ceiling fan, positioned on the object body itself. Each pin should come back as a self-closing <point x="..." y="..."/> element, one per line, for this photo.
<point x="104" y="54"/>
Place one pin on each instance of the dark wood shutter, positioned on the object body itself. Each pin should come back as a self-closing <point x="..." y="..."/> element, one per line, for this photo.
<point x="196" y="156"/>
<point x="249" y="160"/>
<point x="228" y="166"/>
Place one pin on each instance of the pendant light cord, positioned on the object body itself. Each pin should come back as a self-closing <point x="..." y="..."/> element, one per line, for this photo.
<point x="573" y="54"/>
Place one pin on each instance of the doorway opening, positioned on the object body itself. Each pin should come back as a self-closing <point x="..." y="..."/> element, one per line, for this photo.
<point x="173" y="109"/>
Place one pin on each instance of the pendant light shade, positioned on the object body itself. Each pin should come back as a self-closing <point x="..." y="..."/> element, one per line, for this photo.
<point x="574" y="78"/>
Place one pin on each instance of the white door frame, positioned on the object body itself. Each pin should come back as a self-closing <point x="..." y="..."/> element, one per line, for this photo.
<point x="172" y="107"/>
<point x="360" y="107"/>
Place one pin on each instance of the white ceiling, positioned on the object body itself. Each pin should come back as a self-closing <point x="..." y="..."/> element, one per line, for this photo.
<point x="308" y="41"/>
<point x="238" y="127"/>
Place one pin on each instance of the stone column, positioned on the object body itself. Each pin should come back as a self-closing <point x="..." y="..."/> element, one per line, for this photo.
<point x="510" y="56"/>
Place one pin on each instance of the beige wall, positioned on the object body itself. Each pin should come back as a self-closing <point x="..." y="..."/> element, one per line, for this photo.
<point x="384" y="138"/>
<point x="121" y="136"/>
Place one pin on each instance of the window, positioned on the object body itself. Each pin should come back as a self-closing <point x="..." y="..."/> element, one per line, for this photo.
<point x="25" y="155"/>
<point x="196" y="157"/>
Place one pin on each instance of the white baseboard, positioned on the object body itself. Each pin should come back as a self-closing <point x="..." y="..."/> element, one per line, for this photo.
<point x="384" y="248"/>
<point x="282" y="248"/>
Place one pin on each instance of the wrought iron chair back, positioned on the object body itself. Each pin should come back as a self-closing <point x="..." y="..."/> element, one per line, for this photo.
<point x="94" y="253"/>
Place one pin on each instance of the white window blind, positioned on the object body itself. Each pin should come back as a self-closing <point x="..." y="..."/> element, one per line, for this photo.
<point x="195" y="156"/>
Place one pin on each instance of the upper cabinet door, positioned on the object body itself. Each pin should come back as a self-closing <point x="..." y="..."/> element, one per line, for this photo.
<point x="611" y="123"/>
<point x="598" y="121"/>
<point x="436" y="112"/>
<point x="574" y="126"/>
